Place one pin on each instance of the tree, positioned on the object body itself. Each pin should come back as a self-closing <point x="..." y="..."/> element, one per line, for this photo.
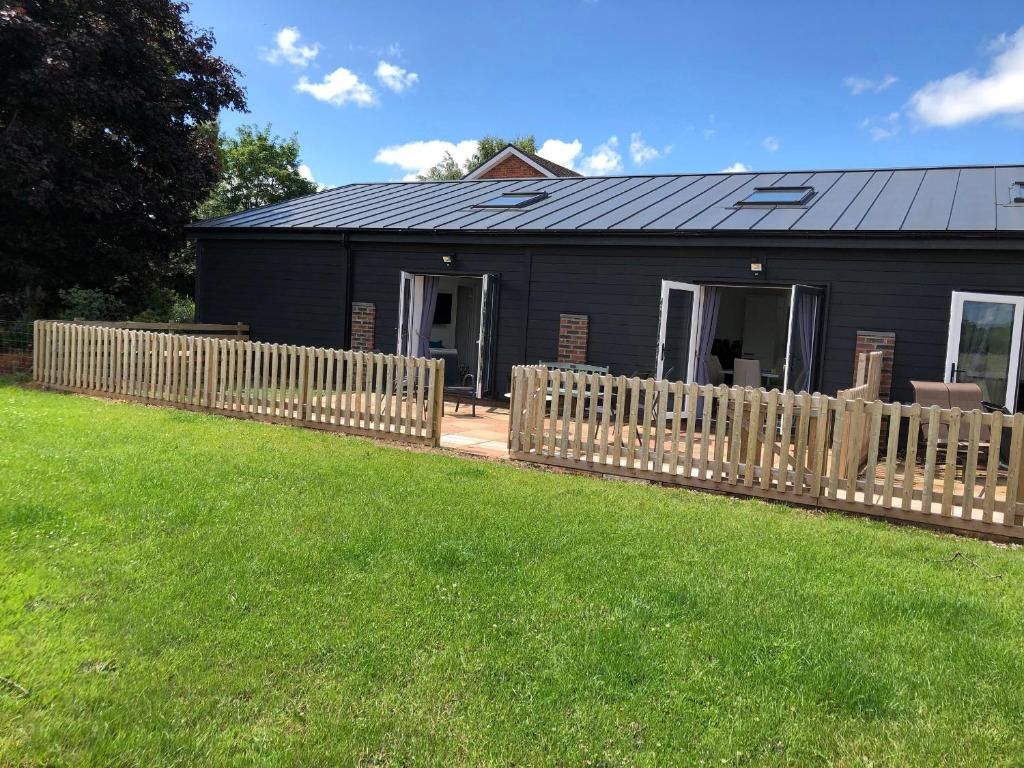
<point x="258" y="169"/>
<point x="106" y="145"/>
<point x="486" y="148"/>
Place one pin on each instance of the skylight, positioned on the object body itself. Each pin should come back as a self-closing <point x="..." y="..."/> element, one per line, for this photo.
<point x="1017" y="193"/>
<point x="778" y="196"/>
<point x="513" y="200"/>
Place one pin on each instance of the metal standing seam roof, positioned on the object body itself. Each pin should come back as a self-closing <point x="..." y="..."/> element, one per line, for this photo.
<point x="911" y="200"/>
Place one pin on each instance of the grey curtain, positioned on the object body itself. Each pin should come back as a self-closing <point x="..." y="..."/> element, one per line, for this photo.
<point x="708" y="326"/>
<point x="806" y="322"/>
<point x="426" y="318"/>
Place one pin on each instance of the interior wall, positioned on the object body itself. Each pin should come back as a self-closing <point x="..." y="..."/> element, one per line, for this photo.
<point x="449" y="284"/>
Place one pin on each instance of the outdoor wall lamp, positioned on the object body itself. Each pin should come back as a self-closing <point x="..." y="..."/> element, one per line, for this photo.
<point x="756" y="268"/>
<point x="449" y="260"/>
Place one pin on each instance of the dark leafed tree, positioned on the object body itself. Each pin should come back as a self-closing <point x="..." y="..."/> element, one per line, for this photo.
<point x="107" y="142"/>
<point x="486" y="148"/>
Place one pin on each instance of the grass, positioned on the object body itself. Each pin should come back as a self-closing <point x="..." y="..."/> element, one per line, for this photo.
<point x="180" y="589"/>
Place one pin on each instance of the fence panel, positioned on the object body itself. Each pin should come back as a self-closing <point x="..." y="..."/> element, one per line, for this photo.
<point x="399" y="398"/>
<point x="953" y="468"/>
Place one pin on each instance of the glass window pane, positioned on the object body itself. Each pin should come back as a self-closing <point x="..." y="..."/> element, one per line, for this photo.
<point x="778" y="196"/>
<point x="986" y="335"/>
<point x="513" y="200"/>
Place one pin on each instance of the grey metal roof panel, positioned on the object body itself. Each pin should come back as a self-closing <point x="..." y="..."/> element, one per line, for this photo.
<point x="974" y="203"/>
<point x="653" y="212"/>
<point x="890" y="208"/>
<point x="827" y="207"/>
<point x="862" y="201"/>
<point x="955" y="199"/>
<point x="642" y="201"/>
<point x="933" y="202"/>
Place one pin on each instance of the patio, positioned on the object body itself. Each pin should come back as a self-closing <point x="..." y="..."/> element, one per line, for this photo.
<point x="485" y="434"/>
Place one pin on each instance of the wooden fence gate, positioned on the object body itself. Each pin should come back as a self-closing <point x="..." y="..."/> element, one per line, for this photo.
<point x="945" y="467"/>
<point x="360" y="393"/>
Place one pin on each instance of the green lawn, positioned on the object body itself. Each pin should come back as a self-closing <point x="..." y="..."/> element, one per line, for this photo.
<point x="178" y="589"/>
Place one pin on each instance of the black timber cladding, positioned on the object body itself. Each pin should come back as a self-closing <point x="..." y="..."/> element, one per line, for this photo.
<point x="292" y="291"/>
<point x="908" y="200"/>
<point x="289" y="298"/>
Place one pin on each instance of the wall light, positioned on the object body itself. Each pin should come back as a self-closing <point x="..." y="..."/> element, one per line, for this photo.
<point x="756" y="268"/>
<point x="449" y="260"/>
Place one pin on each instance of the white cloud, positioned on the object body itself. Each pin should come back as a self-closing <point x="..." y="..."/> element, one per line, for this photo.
<point x="416" y="157"/>
<point x="640" y="151"/>
<point x="339" y="87"/>
<point x="966" y="96"/>
<point x="604" y="160"/>
<point x="859" y="85"/>
<point x="882" y="128"/>
<point x="287" y="49"/>
<point x="736" y="168"/>
<point x="306" y="173"/>
<point x="394" y="77"/>
<point x="565" y="153"/>
<point x="709" y="132"/>
<point x="770" y="143"/>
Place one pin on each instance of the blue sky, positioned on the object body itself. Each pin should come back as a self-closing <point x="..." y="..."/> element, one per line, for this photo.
<point x="378" y="90"/>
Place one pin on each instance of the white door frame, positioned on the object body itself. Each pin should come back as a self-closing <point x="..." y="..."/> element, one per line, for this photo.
<point x="956" y="311"/>
<point x="667" y="286"/>
<point x="485" y="287"/>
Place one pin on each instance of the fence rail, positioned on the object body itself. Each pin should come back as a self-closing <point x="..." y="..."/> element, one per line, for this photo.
<point x="354" y="392"/>
<point x="213" y="330"/>
<point x="932" y="465"/>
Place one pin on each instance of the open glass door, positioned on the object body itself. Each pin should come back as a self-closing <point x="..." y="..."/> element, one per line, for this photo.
<point x="677" y="330"/>
<point x="485" y="359"/>
<point x="405" y="313"/>
<point x="802" y="338"/>
<point x="984" y="344"/>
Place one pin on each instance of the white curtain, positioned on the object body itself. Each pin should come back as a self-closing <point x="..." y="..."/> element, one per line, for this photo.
<point x="708" y="326"/>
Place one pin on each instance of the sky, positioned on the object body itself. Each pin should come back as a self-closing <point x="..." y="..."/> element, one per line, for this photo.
<point x="379" y="90"/>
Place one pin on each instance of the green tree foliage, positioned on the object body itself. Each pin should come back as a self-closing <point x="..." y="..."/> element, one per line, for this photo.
<point x="258" y="169"/>
<point x="105" y="149"/>
<point x="486" y="148"/>
<point x="446" y="170"/>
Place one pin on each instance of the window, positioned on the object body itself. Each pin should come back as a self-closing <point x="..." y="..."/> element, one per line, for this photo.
<point x="1017" y="192"/>
<point x="513" y="200"/>
<point x="778" y="196"/>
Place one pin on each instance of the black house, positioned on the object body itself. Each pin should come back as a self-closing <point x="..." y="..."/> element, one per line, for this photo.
<point x="678" y="276"/>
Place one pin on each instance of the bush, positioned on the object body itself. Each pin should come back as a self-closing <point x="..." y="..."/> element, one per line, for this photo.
<point x="167" y="306"/>
<point x="90" y="304"/>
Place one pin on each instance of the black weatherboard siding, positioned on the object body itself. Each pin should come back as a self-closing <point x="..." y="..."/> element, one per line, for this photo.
<point x="292" y="291"/>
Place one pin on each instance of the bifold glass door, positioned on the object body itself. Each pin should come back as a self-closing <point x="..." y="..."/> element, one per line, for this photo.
<point x="802" y="337"/>
<point x="677" y="331"/>
<point x="984" y="344"/>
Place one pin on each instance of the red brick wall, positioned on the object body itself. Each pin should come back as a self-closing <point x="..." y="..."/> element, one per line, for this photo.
<point x="364" y="321"/>
<point x="572" y="338"/>
<point x="872" y="341"/>
<point x="512" y="167"/>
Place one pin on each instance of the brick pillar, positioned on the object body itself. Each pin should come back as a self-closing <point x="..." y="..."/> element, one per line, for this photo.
<point x="572" y="338"/>
<point x="874" y="341"/>
<point x="364" y="321"/>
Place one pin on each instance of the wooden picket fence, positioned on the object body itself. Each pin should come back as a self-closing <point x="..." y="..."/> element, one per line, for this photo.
<point x="213" y="330"/>
<point x="361" y="393"/>
<point x="778" y="445"/>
